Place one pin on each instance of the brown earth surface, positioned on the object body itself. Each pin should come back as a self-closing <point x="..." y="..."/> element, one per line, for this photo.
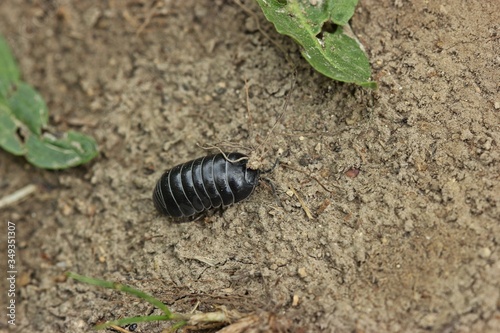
<point x="410" y="243"/>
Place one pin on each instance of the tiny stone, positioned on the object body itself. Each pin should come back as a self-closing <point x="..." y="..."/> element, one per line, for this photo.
<point x="91" y="16"/>
<point x="318" y="148"/>
<point x="485" y="253"/>
<point x="428" y="321"/>
<point x="66" y="210"/>
<point x="302" y="272"/>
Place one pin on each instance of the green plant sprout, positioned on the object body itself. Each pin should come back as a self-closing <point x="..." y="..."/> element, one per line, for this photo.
<point x="321" y="28"/>
<point x="181" y="320"/>
<point x="23" y="120"/>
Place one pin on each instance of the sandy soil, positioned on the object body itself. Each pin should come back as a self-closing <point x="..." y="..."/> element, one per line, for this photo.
<point x="410" y="243"/>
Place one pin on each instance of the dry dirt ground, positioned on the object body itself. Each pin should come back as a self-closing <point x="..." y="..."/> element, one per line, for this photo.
<point x="410" y="243"/>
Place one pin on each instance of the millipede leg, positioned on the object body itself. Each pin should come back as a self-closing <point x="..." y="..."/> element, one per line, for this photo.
<point x="272" y="168"/>
<point x="273" y="188"/>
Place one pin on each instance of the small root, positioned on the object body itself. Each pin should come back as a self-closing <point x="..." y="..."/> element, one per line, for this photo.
<point x="312" y="177"/>
<point x="119" y="329"/>
<point x="17" y="196"/>
<point x="302" y="204"/>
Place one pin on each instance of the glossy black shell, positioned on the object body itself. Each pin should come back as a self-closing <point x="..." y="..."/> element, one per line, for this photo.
<point x="204" y="183"/>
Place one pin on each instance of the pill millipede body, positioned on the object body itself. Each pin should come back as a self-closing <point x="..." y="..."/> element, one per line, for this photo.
<point x="207" y="182"/>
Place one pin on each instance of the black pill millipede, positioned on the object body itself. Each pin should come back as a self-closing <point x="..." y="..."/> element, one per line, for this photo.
<point x="204" y="183"/>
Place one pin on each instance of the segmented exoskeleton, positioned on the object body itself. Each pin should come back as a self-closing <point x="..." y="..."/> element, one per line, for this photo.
<point x="204" y="183"/>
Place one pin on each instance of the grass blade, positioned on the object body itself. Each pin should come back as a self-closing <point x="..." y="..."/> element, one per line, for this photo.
<point x="121" y="287"/>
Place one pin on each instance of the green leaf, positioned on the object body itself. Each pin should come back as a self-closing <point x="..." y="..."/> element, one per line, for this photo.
<point x="23" y="118"/>
<point x="9" y="72"/>
<point x="342" y="11"/>
<point x="9" y="140"/>
<point x="28" y="106"/>
<point x="59" y="153"/>
<point x="327" y="48"/>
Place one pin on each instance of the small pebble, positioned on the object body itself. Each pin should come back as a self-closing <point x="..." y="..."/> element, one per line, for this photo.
<point x="352" y="173"/>
<point x="485" y="253"/>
